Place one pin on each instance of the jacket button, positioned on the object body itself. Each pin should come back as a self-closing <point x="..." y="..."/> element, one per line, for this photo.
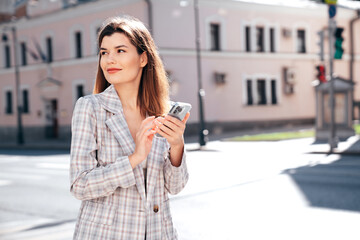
<point x="156" y="208"/>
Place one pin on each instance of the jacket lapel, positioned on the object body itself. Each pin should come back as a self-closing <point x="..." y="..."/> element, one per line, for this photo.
<point x="117" y="124"/>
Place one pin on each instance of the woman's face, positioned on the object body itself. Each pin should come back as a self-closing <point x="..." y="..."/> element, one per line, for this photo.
<point x="120" y="61"/>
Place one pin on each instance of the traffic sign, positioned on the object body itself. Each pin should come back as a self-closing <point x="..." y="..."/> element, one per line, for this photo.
<point x="331" y="1"/>
<point x="332" y="11"/>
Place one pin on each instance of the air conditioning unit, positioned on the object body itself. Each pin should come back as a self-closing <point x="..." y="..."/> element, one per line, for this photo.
<point x="286" y="32"/>
<point x="291" y="76"/>
<point x="220" y="78"/>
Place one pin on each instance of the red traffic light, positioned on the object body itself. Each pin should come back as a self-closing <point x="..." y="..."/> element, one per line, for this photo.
<point x="321" y="73"/>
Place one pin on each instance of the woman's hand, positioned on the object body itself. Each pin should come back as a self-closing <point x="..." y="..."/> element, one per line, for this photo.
<point x="173" y="130"/>
<point x="143" y="141"/>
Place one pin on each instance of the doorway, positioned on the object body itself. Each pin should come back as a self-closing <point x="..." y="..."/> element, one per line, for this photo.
<point x="51" y="119"/>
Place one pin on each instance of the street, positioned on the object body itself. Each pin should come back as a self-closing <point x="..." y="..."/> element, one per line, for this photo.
<point x="236" y="190"/>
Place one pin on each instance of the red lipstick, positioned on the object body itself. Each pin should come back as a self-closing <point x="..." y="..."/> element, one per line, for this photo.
<point x="113" y="70"/>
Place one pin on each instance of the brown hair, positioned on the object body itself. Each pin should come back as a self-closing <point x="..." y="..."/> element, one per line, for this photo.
<point x="153" y="93"/>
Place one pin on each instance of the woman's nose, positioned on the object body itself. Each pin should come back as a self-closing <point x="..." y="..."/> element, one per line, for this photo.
<point x="111" y="58"/>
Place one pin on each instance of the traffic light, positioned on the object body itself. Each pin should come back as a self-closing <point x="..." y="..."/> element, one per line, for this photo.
<point x="321" y="73"/>
<point x="321" y="44"/>
<point x="338" y="43"/>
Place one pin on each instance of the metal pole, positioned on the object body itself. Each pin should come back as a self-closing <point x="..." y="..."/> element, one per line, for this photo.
<point x="20" y="133"/>
<point x="332" y="139"/>
<point x="201" y="91"/>
<point x="150" y="17"/>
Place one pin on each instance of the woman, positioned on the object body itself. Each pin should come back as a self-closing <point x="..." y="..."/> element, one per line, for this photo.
<point x="119" y="169"/>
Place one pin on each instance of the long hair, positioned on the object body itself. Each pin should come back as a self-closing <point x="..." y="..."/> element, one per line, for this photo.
<point x="153" y="93"/>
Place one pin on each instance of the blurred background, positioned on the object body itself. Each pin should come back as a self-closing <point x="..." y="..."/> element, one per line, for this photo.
<point x="248" y="67"/>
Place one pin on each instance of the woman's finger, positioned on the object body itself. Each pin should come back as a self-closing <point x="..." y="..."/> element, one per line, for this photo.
<point x="173" y="120"/>
<point x="163" y="133"/>
<point x="149" y="133"/>
<point x="146" y="121"/>
<point x="166" y="123"/>
<point x="164" y="128"/>
<point x="186" y="117"/>
<point x="147" y="124"/>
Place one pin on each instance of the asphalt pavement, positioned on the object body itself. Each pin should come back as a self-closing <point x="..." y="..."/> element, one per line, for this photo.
<point x="291" y="189"/>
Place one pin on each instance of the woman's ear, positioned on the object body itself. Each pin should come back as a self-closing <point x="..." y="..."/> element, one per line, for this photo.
<point x="143" y="59"/>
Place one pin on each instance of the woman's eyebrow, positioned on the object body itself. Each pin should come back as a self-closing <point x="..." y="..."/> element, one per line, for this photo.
<point x="120" y="46"/>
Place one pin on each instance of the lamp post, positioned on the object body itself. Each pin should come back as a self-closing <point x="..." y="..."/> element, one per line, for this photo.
<point x="20" y="133"/>
<point x="201" y="92"/>
<point x="333" y="141"/>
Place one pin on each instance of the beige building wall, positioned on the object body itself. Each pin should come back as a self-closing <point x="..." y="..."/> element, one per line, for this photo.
<point x="174" y="33"/>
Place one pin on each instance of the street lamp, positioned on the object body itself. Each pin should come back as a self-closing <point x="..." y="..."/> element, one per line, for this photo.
<point x="20" y="133"/>
<point x="201" y="92"/>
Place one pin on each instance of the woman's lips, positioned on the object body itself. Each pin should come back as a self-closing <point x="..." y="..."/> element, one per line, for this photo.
<point x="113" y="70"/>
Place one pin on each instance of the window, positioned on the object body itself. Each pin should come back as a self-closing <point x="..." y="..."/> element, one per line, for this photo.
<point x="301" y="48"/>
<point x="23" y="54"/>
<point x="260" y="39"/>
<point x="249" y="92"/>
<point x="272" y="40"/>
<point x="215" y="36"/>
<point x="273" y="92"/>
<point x="49" y="49"/>
<point x="9" y="104"/>
<point x="7" y="56"/>
<point x="25" y="98"/>
<point x="79" y="91"/>
<point x="261" y="91"/>
<point x="248" y="39"/>
<point x="78" y="45"/>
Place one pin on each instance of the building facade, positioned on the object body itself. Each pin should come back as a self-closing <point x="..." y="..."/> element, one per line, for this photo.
<point x="257" y="60"/>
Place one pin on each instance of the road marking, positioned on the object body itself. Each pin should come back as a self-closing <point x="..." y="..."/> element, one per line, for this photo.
<point x="5" y="182"/>
<point x="38" y="171"/>
<point x="17" y="226"/>
<point x="18" y="176"/>
<point x="53" y="166"/>
<point x="62" y="231"/>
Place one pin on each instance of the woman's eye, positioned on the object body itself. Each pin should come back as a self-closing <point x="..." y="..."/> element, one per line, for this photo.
<point x="102" y="53"/>
<point x="120" y="51"/>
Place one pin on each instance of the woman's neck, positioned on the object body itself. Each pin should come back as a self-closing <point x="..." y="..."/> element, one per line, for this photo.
<point x="128" y="94"/>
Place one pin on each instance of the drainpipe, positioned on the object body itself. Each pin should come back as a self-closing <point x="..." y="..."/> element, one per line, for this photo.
<point x="352" y="53"/>
<point x="148" y="2"/>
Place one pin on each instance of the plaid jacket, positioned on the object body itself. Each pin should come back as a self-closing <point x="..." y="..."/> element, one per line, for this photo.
<point x="114" y="203"/>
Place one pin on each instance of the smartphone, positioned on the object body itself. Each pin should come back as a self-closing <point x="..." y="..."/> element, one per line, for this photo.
<point x="179" y="110"/>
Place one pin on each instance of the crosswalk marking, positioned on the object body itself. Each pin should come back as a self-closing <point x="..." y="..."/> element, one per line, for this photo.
<point x="5" y="182"/>
<point x="53" y="166"/>
<point x="36" y="171"/>
<point x="16" y="226"/>
<point x="21" y="176"/>
<point x="34" y="231"/>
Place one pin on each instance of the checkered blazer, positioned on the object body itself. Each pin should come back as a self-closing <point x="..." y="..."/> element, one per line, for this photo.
<point x="114" y="203"/>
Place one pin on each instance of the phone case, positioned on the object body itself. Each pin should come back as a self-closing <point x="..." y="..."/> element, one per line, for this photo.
<point x="179" y="110"/>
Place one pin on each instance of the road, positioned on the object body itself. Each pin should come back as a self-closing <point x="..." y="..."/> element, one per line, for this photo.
<point x="242" y="190"/>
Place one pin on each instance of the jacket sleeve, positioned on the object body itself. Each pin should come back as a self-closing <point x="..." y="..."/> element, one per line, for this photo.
<point x="175" y="177"/>
<point x="88" y="179"/>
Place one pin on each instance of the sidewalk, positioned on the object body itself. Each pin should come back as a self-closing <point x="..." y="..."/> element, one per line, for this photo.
<point x="350" y="146"/>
